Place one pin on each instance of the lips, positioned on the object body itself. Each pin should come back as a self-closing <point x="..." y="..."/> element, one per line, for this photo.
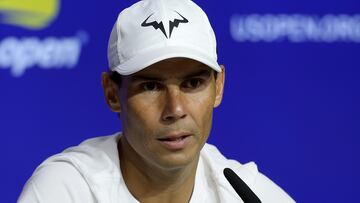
<point x="175" y="141"/>
<point x="172" y="139"/>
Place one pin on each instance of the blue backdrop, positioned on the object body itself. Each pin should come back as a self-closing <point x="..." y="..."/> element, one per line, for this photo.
<point x="291" y="100"/>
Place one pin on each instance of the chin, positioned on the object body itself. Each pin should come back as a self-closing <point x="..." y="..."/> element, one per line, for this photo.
<point x="177" y="160"/>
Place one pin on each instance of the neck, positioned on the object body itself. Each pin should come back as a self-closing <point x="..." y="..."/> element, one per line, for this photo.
<point x="150" y="183"/>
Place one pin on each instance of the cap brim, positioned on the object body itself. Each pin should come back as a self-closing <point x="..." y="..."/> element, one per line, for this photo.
<point x="149" y="57"/>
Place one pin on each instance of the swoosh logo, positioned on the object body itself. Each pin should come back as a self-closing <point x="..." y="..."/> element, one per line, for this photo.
<point x="31" y="14"/>
<point x="160" y="25"/>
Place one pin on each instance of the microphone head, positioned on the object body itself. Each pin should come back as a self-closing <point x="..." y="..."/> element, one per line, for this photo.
<point x="245" y="193"/>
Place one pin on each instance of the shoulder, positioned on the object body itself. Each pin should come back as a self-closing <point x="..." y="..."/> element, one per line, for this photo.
<point x="263" y="187"/>
<point x="217" y="161"/>
<point x="71" y="176"/>
<point x="56" y="182"/>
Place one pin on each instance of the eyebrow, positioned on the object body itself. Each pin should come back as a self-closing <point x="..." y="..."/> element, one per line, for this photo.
<point x="205" y="73"/>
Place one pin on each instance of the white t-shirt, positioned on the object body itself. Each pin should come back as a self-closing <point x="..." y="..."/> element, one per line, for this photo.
<point x="91" y="173"/>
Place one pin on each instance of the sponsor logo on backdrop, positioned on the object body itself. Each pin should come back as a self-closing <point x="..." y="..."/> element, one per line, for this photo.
<point x="295" y="28"/>
<point x="31" y="14"/>
<point x="49" y="53"/>
<point x="21" y="53"/>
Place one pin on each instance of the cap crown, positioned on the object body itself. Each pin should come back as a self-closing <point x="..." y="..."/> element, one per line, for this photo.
<point x="170" y="28"/>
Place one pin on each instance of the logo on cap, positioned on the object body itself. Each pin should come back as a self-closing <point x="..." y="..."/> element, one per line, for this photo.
<point x="160" y="25"/>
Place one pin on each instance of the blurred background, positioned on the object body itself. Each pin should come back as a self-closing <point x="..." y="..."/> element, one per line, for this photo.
<point x="291" y="100"/>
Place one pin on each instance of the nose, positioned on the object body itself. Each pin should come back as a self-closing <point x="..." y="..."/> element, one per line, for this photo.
<point x="173" y="106"/>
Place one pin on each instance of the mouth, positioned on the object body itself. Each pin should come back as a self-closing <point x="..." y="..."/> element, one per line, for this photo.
<point x="176" y="141"/>
<point x="173" y="139"/>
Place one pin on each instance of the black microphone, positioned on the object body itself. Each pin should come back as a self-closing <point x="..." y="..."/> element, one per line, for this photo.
<point x="245" y="193"/>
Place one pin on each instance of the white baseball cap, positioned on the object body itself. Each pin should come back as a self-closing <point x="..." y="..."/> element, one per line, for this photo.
<point x="154" y="30"/>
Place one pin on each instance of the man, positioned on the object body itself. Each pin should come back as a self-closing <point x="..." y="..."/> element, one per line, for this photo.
<point x="164" y="82"/>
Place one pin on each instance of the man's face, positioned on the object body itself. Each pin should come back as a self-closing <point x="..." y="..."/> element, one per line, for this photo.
<point x="166" y="111"/>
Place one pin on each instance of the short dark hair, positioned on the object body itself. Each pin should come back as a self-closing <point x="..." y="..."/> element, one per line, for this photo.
<point x="115" y="77"/>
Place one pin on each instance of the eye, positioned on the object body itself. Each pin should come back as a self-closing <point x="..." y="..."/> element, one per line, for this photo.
<point x="193" y="83"/>
<point x="150" y="86"/>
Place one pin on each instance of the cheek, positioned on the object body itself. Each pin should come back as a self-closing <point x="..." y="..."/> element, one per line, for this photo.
<point x="207" y="118"/>
<point x="202" y="108"/>
<point x="137" y="114"/>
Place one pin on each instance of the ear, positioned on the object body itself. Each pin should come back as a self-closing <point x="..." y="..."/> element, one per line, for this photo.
<point x="111" y="92"/>
<point x="220" y="81"/>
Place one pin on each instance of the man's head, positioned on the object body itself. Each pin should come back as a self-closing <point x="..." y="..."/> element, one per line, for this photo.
<point x="170" y="81"/>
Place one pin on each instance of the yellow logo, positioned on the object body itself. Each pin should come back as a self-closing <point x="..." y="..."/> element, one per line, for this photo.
<point x="31" y="14"/>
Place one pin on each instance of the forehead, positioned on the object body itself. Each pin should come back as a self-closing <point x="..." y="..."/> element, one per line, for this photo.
<point x="173" y="67"/>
